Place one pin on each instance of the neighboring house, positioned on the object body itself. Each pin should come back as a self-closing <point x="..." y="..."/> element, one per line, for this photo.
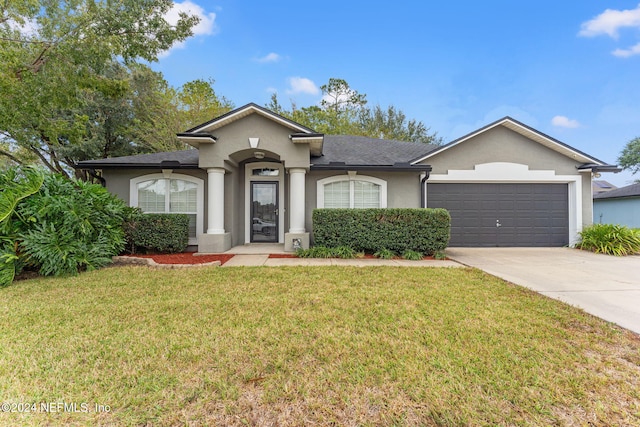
<point x="620" y="206"/>
<point x="505" y="184"/>
<point x="601" y="186"/>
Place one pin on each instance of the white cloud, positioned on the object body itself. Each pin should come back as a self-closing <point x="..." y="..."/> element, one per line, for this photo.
<point x="565" y="122"/>
<point x="610" y="21"/>
<point x="302" y="85"/>
<point x="270" y="57"/>
<point x="625" y="53"/>
<point x="206" y="26"/>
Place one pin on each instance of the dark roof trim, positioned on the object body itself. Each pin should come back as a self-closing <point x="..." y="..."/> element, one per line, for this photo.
<point x="600" y="168"/>
<point x="162" y="165"/>
<point x="398" y="167"/>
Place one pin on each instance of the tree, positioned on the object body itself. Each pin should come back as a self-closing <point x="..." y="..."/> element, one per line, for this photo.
<point x="58" y="60"/>
<point x="198" y="103"/>
<point x="343" y="111"/>
<point x="337" y="96"/>
<point x="392" y="124"/>
<point x="161" y="111"/>
<point x="630" y="156"/>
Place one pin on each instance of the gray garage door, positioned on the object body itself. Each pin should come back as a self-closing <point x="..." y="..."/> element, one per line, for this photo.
<point x="504" y="214"/>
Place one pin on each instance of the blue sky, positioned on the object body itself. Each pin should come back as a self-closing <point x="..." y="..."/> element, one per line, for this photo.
<point x="569" y="69"/>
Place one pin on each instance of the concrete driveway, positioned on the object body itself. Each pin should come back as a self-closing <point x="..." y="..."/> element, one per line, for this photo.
<point x="605" y="286"/>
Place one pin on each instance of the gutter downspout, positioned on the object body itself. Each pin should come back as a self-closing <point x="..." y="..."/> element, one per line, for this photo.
<point x="423" y="190"/>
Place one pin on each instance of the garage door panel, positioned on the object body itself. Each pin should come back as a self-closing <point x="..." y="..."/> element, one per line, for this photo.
<point x="529" y="214"/>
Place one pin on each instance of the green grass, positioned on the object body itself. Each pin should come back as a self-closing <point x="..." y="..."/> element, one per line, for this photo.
<point x="305" y="345"/>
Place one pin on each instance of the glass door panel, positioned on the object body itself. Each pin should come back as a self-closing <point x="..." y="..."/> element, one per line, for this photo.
<point x="264" y="212"/>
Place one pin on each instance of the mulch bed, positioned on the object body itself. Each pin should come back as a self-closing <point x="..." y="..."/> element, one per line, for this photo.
<point x="185" y="258"/>
<point x="282" y="256"/>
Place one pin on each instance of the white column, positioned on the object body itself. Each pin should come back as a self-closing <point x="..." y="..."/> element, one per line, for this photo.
<point x="296" y="200"/>
<point x="215" y="201"/>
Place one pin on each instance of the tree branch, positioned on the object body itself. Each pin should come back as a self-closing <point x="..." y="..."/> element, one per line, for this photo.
<point x="11" y="157"/>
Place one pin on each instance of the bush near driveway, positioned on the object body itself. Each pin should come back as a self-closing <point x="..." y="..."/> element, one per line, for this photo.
<point x="610" y="239"/>
<point x="372" y="230"/>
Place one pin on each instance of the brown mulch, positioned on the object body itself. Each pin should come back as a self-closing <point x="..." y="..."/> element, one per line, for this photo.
<point x="185" y="258"/>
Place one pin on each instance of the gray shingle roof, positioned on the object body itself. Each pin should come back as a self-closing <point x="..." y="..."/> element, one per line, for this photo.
<point x="183" y="158"/>
<point x="362" y="150"/>
<point x="632" y="190"/>
<point x="350" y="150"/>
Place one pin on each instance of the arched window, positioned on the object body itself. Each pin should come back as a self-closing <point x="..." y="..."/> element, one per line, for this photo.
<point x="358" y="191"/>
<point x="171" y="193"/>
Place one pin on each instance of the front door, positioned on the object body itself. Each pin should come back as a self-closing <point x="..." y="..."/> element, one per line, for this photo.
<point x="264" y="211"/>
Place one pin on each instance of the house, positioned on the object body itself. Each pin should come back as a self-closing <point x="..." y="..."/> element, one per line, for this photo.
<point x="254" y="176"/>
<point x="620" y="206"/>
<point x="601" y="186"/>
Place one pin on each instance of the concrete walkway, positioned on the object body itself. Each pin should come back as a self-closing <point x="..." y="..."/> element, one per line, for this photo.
<point x="257" y="254"/>
<point x="605" y="286"/>
<point x="256" y="260"/>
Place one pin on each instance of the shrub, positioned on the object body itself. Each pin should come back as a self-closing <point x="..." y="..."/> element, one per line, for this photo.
<point x="16" y="184"/>
<point x="69" y="226"/>
<point x="344" y="252"/>
<point x="370" y="230"/>
<point x="324" y="252"/>
<point x="159" y="233"/>
<point x="440" y="255"/>
<point x="315" y="252"/>
<point x="412" y="255"/>
<point x="610" y="239"/>
<point x="384" y="254"/>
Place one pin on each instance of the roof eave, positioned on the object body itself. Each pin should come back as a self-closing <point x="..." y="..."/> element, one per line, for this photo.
<point x="592" y="167"/>
<point x="398" y="167"/>
<point x="315" y="141"/>
<point x="195" y="139"/>
<point x="161" y="165"/>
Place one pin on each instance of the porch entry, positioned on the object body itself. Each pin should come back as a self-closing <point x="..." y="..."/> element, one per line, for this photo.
<point x="264" y="212"/>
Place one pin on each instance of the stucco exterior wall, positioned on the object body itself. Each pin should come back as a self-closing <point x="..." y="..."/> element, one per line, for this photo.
<point x="617" y="211"/>
<point x="501" y="145"/>
<point x="233" y="144"/>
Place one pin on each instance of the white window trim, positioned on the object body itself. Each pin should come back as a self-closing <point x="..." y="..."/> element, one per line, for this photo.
<point x="133" y="195"/>
<point x="351" y="177"/>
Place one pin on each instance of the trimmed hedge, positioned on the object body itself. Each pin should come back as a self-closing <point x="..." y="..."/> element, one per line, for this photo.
<point x="371" y="230"/>
<point x="159" y="233"/>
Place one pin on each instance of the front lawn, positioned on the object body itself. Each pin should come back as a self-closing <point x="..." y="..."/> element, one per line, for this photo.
<point x="307" y="345"/>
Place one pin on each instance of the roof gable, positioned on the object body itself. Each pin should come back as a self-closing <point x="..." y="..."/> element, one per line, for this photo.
<point x="202" y="134"/>
<point x="244" y="111"/>
<point x="525" y="131"/>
